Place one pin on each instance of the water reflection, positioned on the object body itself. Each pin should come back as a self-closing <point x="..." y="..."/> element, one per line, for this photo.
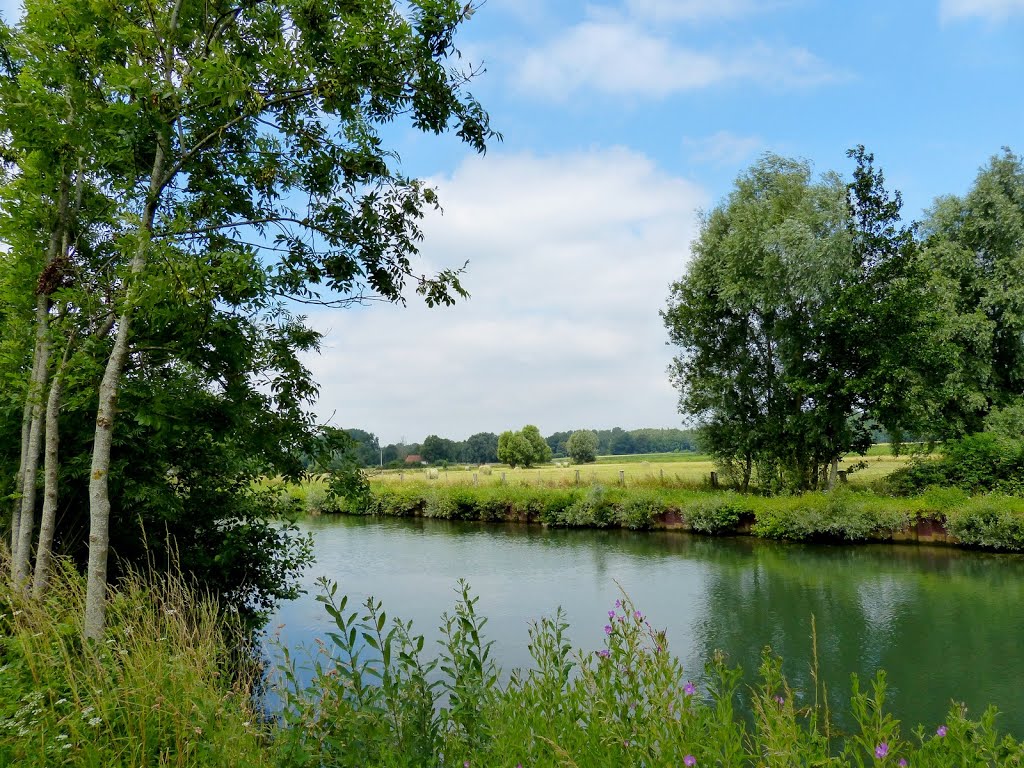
<point x="944" y="624"/>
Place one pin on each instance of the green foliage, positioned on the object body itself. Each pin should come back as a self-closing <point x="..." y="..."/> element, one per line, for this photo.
<point x="715" y="514"/>
<point x="166" y="682"/>
<point x="777" y="322"/>
<point x="990" y="522"/>
<point x="523" y="448"/>
<point x="582" y="446"/>
<point x="840" y="514"/>
<point x="976" y="463"/>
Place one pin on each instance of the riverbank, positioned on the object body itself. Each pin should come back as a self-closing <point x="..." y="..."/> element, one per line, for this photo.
<point x="938" y="516"/>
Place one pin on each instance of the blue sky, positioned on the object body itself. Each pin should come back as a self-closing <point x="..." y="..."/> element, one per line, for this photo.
<point x="621" y="119"/>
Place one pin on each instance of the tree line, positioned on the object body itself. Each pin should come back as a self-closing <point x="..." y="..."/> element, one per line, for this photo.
<point x="177" y="180"/>
<point x="812" y="315"/>
<point x="365" y="449"/>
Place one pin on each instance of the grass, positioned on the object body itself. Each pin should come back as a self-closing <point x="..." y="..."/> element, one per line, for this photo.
<point x="681" y="470"/>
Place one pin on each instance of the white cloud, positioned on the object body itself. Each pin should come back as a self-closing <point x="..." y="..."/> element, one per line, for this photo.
<point x="722" y="148"/>
<point x="695" y="10"/>
<point x="622" y="58"/>
<point x="570" y="261"/>
<point x="993" y="10"/>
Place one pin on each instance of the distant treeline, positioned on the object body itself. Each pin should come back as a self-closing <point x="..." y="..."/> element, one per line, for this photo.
<point x="482" y="447"/>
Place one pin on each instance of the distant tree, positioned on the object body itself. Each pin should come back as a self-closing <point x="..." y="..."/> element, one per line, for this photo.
<point x="541" y="451"/>
<point x="582" y="446"/>
<point x="514" y="449"/>
<point x="436" y="449"/>
<point x="480" y="448"/>
<point x="557" y="443"/>
<point x="367" y="447"/>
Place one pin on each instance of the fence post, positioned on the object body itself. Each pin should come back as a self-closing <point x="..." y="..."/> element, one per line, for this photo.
<point x="502" y="478"/>
<point x="714" y="479"/>
<point x="622" y="477"/>
<point x="474" y="479"/>
<point x="663" y="474"/>
<point x="401" y="476"/>
<point x="577" y="477"/>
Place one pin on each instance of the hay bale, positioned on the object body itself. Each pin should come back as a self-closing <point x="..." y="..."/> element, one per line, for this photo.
<point x="432" y="474"/>
<point x="485" y="469"/>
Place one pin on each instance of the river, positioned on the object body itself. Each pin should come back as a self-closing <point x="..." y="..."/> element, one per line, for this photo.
<point x="945" y="624"/>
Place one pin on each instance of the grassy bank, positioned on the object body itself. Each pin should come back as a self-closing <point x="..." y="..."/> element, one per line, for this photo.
<point x="849" y="514"/>
<point x="159" y="692"/>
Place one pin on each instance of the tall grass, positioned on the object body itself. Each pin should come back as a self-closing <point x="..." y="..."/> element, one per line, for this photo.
<point x="162" y="690"/>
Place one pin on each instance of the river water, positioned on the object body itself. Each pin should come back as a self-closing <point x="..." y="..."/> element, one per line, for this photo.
<point x="945" y="624"/>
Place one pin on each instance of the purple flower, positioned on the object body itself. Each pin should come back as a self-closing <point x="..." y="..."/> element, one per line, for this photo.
<point x="881" y="750"/>
<point x="611" y="614"/>
<point x="625" y="743"/>
<point x="689" y="689"/>
<point x="607" y="629"/>
<point x="940" y="731"/>
<point x="465" y="764"/>
<point x="689" y="760"/>
<point x="618" y="603"/>
<point x="779" y="700"/>
<point x="902" y="763"/>
<point x="637" y="615"/>
<point x="604" y="654"/>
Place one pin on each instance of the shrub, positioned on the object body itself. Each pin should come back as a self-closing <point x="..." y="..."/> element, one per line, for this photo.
<point x="839" y="514"/>
<point x="992" y="522"/>
<point x="977" y="463"/>
<point x="714" y="514"/>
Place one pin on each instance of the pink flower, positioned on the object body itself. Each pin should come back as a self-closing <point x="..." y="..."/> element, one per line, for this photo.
<point x="689" y="689"/>
<point x="689" y="760"/>
<point x="940" y="731"/>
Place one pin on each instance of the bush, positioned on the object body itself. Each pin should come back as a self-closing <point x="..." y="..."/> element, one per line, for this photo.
<point x="977" y="464"/>
<point x="715" y="514"/>
<point x="992" y="522"/>
<point x="840" y="514"/>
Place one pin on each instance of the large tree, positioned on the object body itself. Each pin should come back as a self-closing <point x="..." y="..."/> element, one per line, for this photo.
<point x="798" y="322"/>
<point x="975" y="247"/>
<point x="213" y="122"/>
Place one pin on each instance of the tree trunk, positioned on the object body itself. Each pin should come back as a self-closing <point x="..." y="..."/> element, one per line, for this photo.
<point x="47" y="523"/>
<point x="99" y="491"/>
<point x="834" y="473"/>
<point x="26" y="426"/>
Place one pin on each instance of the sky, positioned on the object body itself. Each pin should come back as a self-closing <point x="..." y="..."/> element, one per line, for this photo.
<point x="622" y="120"/>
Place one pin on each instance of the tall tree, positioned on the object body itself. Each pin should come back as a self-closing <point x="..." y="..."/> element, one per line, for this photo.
<point x="778" y="322"/>
<point x="975" y="247"/>
<point x="227" y="114"/>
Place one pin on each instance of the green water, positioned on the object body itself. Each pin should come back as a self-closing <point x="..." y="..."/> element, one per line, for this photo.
<point x="945" y="624"/>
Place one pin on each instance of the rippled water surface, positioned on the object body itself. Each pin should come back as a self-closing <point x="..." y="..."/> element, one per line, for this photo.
<point x="945" y="624"/>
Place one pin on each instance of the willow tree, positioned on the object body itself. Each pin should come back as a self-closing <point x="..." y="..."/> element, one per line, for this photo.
<point x="799" y="322"/>
<point x="250" y="133"/>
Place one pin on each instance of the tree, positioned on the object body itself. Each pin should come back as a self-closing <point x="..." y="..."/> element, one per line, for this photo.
<point x="582" y="446"/>
<point x="777" y="320"/>
<point x="974" y="246"/>
<point x="540" y="451"/>
<point x="436" y="449"/>
<point x="523" y="448"/>
<point x="207" y="121"/>
<point x="480" y="448"/>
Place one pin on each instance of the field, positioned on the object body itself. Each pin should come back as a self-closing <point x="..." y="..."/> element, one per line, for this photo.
<point x="676" y="469"/>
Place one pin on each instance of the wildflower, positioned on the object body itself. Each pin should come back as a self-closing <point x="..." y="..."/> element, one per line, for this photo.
<point x="637" y="615"/>
<point x="689" y="760"/>
<point x="618" y="604"/>
<point x="611" y="614"/>
<point x="902" y="763"/>
<point x="689" y="689"/>
<point x="94" y="722"/>
<point x="941" y="731"/>
<point x="604" y="653"/>
<point x="779" y="700"/>
<point x="881" y="750"/>
<point x="607" y="629"/>
<point x="465" y="764"/>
